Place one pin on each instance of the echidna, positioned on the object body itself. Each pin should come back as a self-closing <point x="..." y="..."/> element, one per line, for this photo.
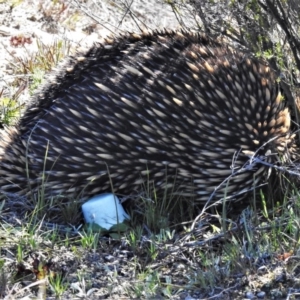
<point x="163" y="106"/>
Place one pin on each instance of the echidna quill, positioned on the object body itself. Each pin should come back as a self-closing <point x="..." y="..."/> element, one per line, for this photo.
<point x="169" y="107"/>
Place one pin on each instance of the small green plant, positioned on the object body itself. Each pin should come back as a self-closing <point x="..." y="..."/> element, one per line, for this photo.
<point x="161" y="208"/>
<point x="69" y="210"/>
<point x="152" y="250"/>
<point x="38" y="64"/>
<point x="10" y="111"/>
<point x="20" y="253"/>
<point x="165" y="235"/>
<point x="151" y="283"/>
<point x="134" y="237"/>
<point x="148" y="285"/>
<point x="58" y="284"/>
<point x="89" y="239"/>
<point x="83" y="285"/>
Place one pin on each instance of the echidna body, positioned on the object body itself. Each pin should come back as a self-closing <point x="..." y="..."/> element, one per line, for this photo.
<point x="161" y="106"/>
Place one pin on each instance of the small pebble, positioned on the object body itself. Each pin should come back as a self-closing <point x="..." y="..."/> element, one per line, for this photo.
<point x="109" y="258"/>
<point x="261" y="295"/>
<point x="249" y="295"/>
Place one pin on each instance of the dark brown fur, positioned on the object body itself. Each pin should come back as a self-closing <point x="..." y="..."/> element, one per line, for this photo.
<point x="141" y="107"/>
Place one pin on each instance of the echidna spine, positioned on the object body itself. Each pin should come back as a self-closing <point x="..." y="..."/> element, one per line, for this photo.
<point x="141" y="107"/>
